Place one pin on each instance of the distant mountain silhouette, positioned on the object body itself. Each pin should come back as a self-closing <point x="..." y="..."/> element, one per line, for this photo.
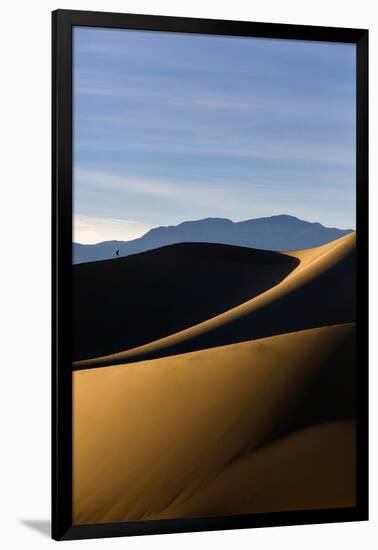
<point x="281" y="232"/>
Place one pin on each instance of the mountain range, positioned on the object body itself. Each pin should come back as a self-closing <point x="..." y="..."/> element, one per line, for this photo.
<point x="276" y="233"/>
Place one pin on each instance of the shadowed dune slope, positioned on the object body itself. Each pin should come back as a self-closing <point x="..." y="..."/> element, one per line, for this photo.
<point x="266" y="480"/>
<point x="319" y="291"/>
<point x="255" y="426"/>
<point x="128" y="302"/>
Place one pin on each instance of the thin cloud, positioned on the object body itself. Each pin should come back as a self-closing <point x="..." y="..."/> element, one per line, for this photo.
<point x="194" y="192"/>
<point x="90" y="230"/>
<point x="154" y="114"/>
<point x="170" y="91"/>
<point x="228" y="200"/>
<point x="171" y="128"/>
<point x="232" y="146"/>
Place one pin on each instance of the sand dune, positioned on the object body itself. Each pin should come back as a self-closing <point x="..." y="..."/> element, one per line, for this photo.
<point x="325" y="273"/>
<point x="254" y="426"/>
<point x="266" y="481"/>
<point x="179" y="286"/>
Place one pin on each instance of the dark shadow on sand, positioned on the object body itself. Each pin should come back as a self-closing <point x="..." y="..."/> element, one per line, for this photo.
<point x="121" y="304"/>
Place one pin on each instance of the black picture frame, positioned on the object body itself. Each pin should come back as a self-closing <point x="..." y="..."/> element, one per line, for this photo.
<point x="62" y="23"/>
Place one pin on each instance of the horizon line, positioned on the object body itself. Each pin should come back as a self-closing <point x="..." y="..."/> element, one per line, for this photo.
<point x="350" y="229"/>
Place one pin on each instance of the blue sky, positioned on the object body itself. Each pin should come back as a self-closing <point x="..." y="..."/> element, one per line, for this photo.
<point x="171" y="127"/>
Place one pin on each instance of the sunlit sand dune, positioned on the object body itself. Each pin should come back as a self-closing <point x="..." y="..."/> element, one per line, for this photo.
<point x="255" y="426"/>
<point x="319" y="291"/>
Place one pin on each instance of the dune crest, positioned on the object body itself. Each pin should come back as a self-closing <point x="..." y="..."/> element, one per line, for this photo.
<point x="313" y="263"/>
<point x="142" y="298"/>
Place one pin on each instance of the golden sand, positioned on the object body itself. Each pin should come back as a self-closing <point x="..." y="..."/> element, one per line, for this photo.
<point x="196" y="434"/>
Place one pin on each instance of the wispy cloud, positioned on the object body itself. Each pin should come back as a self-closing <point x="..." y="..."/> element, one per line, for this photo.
<point x="194" y="200"/>
<point x="160" y="114"/>
<point x="286" y="149"/>
<point x="90" y="230"/>
<point x="169" y="91"/>
<point x="182" y="191"/>
<point x="170" y="127"/>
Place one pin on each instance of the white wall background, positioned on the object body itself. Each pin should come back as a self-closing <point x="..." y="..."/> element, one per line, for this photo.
<point x="25" y="270"/>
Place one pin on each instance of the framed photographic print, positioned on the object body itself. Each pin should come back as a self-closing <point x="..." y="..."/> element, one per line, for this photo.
<point x="210" y="248"/>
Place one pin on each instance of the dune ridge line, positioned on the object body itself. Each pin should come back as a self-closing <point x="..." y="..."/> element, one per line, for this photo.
<point x="312" y="262"/>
